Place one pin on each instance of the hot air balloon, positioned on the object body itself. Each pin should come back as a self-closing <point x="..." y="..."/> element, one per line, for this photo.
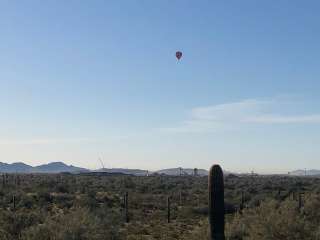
<point x="178" y="55"/>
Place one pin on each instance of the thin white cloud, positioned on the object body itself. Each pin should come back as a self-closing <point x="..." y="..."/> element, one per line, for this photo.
<point x="43" y="141"/>
<point x="229" y="115"/>
<point x="271" y="119"/>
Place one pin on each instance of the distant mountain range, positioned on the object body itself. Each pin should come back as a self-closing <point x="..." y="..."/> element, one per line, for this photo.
<point x="54" y="167"/>
<point x="300" y="172"/>
<point x="58" y="167"/>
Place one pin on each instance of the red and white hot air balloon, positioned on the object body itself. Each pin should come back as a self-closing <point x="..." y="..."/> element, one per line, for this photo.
<point x="178" y="55"/>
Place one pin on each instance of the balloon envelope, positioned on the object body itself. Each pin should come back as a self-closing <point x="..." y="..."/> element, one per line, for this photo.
<point x="178" y="55"/>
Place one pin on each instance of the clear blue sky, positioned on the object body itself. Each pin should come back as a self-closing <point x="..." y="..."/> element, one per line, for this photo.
<point x="83" y="79"/>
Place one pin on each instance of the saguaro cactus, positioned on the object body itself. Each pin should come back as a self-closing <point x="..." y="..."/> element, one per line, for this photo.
<point x="14" y="202"/>
<point x="180" y="198"/>
<point x="300" y="202"/>
<point x="293" y="195"/>
<point x="17" y="180"/>
<point x="3" y="180"/>
<point x="216" y="203"/>
<point x="168" y="209"/>
<point x="242" y="201"/>
<point x="126" y="207"/>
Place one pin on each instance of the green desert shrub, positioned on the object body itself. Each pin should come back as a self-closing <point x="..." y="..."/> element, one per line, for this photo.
<point x="271" y="220"/>
<point x="77" y="225"/>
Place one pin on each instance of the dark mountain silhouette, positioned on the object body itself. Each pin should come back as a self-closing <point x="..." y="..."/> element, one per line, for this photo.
<point x="15" y="167"/>
<point x="56" y="167"/>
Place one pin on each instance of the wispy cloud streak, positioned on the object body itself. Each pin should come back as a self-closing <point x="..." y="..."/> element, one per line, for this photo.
<point x="44" y="141"/>
<point x="229" y="115"/>
<point x="271" y="119"/>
